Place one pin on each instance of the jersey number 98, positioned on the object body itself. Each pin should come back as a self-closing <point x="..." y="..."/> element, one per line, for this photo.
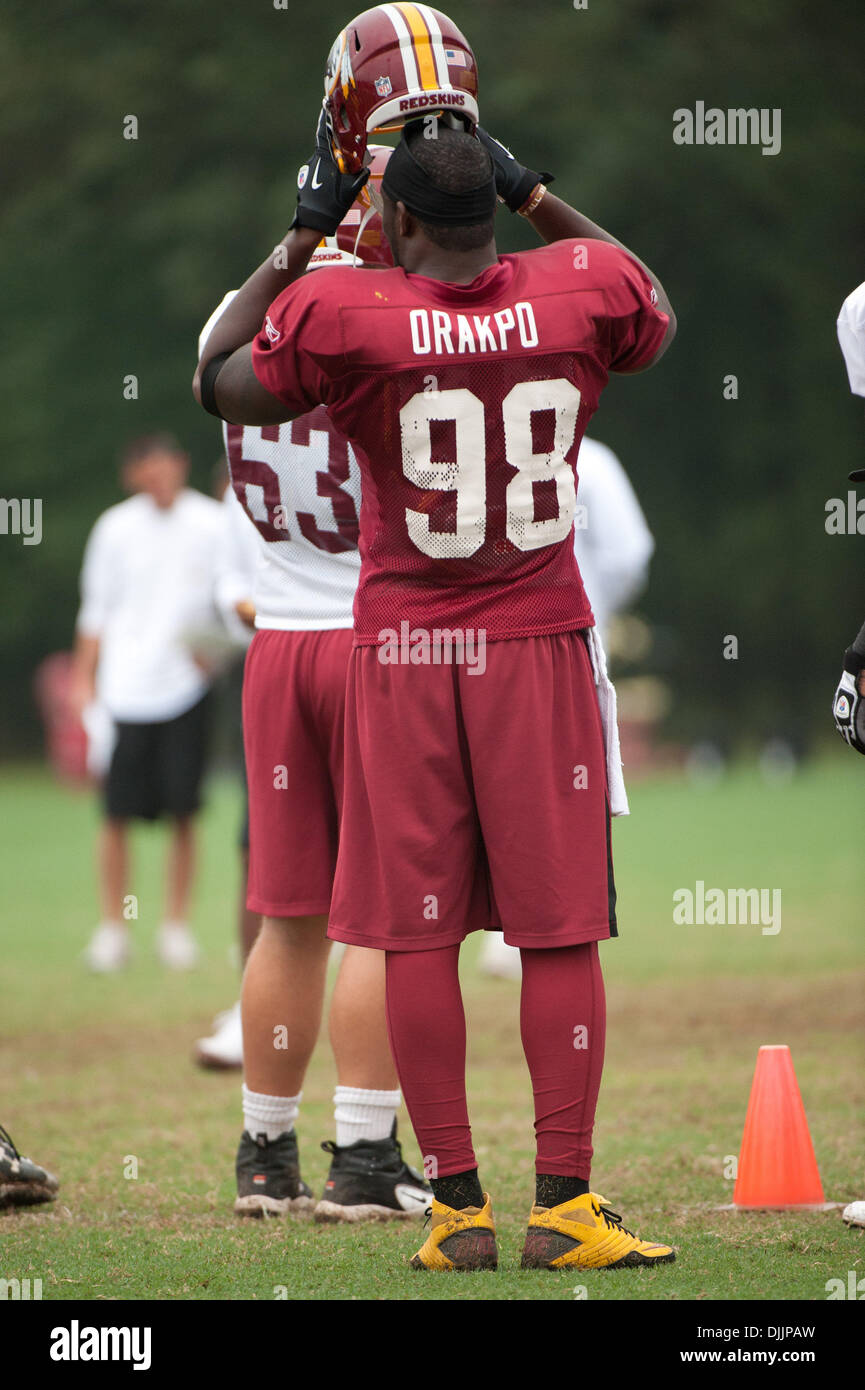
<point x="466" y="475"/>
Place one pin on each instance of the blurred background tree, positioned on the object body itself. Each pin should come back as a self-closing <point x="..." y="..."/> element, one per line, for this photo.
<point x="115" y="250"/>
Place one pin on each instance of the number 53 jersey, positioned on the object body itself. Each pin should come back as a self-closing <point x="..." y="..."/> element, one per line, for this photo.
<point x="299" y="484"/>
<point x="465" y="405"/>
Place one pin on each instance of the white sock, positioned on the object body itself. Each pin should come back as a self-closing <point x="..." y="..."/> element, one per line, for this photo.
<point x="269" y="1115"/>
<point x="363" y="1114"/>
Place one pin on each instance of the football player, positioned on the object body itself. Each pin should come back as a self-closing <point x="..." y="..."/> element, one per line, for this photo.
<point x="465" y="380"/>
<point x="848" y="706"/>
<point x="222" y="1050"/>
<point x="299" y="485"/>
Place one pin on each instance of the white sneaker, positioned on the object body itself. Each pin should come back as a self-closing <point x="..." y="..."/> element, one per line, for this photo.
<point x="108" y="948"/>
<point x="498" y="958"/>
<point x="223" y="1050"/>
<point x="854" y="1214"/>
<point x="176" y="947"/>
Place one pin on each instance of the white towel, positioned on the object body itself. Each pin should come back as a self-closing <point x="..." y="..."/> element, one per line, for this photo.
<point x="607" y="705"/>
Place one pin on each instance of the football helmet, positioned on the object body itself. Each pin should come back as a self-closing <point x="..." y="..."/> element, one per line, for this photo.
<point x="360" y="235"/>
<point x="391" y="64"/>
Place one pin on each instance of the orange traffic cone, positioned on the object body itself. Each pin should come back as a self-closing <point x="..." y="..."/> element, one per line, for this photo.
<point x="777" y="1167"/>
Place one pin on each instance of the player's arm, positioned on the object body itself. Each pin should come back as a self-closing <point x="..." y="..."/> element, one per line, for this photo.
<point x="224" y="381"/>
<point x="553" y="219"/>
<point x="242" y="318"/>
<point x="98" y="592"/>
<point x="238" y="394"/>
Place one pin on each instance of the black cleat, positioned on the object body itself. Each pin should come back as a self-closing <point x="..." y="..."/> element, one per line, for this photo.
<point x="370" y="1181"/>
<point x="22" y="1182"/>
<point x="268" y="1177"/>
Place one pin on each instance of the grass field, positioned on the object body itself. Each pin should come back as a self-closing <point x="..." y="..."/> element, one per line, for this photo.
<point x="96" y="1070"/>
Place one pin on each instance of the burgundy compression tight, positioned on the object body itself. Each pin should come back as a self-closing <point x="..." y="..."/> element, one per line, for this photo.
<point x="562" y="1023"/>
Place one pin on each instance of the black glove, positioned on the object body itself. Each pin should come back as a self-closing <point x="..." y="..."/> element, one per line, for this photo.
<point x="514" y="182"/>
<point x="324" y="194"/>
<point x="848" y="707"/>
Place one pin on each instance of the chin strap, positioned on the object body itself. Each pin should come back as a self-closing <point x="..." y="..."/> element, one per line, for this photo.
<point x="368" y="215"/>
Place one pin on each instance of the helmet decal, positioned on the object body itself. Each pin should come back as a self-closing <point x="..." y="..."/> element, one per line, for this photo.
<point x="338" y="71"/>
<point x="420" y="42"/>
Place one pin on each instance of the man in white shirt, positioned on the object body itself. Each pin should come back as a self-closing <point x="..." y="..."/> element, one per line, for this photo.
<point x="147" y="580"/>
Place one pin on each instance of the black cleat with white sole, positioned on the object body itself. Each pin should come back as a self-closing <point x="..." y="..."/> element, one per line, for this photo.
<point x="22" y="1182"/>
<point x="268" y="1177"/>
<point x="371" y="1181"/>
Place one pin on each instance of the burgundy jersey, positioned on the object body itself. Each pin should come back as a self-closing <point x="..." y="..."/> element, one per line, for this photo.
<point x="466" y="405"/>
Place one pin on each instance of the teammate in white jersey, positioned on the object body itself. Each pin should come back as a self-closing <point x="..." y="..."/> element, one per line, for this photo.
<point x="222" y="1050"/>
<point x="300" y="486"/>
<point x="612" y="539"/>
<point x="848" y="706"/>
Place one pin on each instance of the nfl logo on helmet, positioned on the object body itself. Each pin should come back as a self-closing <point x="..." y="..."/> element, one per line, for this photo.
<point x="383" y="86"/>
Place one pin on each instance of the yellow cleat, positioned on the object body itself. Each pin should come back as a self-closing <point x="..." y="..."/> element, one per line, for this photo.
<point x="459" y="1240"/>
<point x="585" y="1233"/>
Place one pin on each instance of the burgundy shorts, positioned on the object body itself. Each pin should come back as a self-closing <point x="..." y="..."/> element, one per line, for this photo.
<point x="293" y="725"/>
<point x="475" y="799"/>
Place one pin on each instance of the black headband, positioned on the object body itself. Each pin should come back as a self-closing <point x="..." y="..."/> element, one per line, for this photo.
<point x="406" y="182"/>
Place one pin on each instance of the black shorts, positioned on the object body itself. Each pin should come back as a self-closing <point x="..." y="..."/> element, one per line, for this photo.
<point x="156" y="769"/>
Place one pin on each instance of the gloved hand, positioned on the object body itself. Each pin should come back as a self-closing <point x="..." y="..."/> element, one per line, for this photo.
<point x="324" y="194"/>
<point x="515" y="184"/>
<point x="848" y="706"/>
